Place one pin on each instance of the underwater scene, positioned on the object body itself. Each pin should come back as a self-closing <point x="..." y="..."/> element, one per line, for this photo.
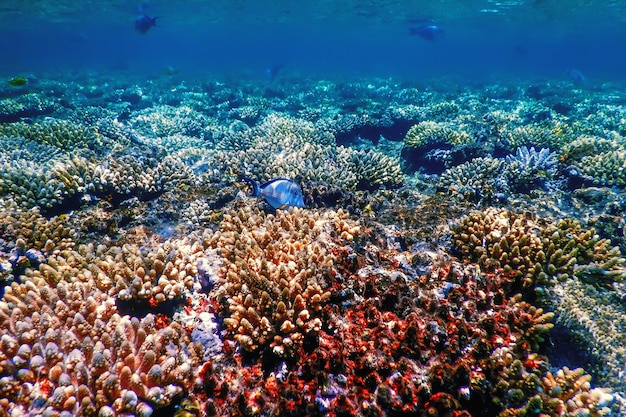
<point x="314" y="208"/>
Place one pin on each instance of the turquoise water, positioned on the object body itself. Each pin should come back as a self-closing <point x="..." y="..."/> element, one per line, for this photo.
<point x="460" y="252"/>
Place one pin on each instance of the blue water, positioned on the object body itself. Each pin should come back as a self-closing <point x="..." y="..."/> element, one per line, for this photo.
<point x="482" y="39"/>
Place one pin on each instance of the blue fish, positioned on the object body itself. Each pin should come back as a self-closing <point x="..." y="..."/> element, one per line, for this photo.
<point x="430" y="32"/>
<point x="280" y="193"/>
<point x="143" y="23"/>
<point x="576" y="76"/>
<point x="272" y="72"/>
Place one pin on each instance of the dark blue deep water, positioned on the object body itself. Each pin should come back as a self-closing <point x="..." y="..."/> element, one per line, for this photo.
<point x="540" y="38"/>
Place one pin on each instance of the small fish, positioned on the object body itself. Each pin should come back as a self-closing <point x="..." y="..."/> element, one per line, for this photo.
<point x="170" y="70"/>
<point x="430" y="32"/>
<point x="143" y="23"/>
<point x="280" y="193"/>
<point x="576" y="76"/>
<point x="18" y="82"/>
<point x="272" y="72"/>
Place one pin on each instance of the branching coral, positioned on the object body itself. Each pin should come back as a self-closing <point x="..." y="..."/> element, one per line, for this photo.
<point x="432" y="133"/>
<point x="535" y="252"/>
<point x="276" y="274"/>
<point x="293" y="148"/>
<point x="59" y="133"/>
<point x="162" y="121"/>
<point x="477" y="180"/>
<point x="65" y="348"/>
<point x="389" y="343"/>
<point x="529" y="168"/>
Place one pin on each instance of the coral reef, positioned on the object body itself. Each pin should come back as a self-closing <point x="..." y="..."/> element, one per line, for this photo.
<point x="138" y="279"/>
<point x="286" y="147"/>
<point x="535" y="252"/>
<point x="477" y="180"/>
<point x="433" y="133"/>
<point x="64" y="348"/>
<point x="61" y="134"/>
<point x="594" y="318"/>
<point x="26" y="105"/>
<point x="392" y="343"/>
<point x="276" y="274"/>
<point x="597" y="161"/>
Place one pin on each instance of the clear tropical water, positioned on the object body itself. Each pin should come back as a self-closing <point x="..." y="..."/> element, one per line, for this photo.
<point x="482" y="38"/>
<point x="320" y="208"/>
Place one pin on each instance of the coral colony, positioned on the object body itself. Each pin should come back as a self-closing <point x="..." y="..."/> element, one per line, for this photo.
<point x="454" y="256"/>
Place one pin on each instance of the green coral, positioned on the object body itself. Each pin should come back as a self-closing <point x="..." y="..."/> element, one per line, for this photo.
<point x="26" y="105"/>
<point x="596" y="320"/>
<point x="477" y="180"/>
<point x="430" y="132"/>
<point x="536" y="252"/>
<point x="597" y="160"/>
<point x="62" y="134"/>
<point x="549" y="134"/>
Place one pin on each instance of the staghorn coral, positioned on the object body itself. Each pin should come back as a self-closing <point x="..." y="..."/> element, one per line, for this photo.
<point x="276" y="272"/>
<point x="401" y="332"/>
<point x="528" y="168"/>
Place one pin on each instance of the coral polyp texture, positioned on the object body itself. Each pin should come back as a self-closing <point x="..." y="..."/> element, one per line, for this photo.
<point x="535" y="252"/>
<point x="65" y="348"/>
<point x="458" y="252"/>
<point x="282" y="146"/>
<point x="277" y="273"/>
<point x="395" y="344"/>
